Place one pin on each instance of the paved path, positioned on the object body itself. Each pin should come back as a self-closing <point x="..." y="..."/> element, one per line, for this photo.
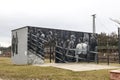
<point x="78" y="66"/>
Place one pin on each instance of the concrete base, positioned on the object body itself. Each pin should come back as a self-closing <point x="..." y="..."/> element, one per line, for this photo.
<point x="115" y="75"/>
<point x="33" y="59"/>
<point x="78" y="66"/>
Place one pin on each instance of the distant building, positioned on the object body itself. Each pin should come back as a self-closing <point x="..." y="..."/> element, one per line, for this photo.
<point x="0" y="52"/>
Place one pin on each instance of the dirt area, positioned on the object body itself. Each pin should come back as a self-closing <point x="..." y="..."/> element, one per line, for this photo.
<point x="78" y="66"/>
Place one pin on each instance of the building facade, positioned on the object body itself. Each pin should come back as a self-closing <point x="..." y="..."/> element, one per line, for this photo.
<point x="29" y="44"/>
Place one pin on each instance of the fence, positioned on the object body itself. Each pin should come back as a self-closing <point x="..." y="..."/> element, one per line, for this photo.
<point x="108" y="58"/>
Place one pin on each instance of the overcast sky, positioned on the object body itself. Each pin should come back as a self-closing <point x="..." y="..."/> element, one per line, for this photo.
<point x="62" y="14"/>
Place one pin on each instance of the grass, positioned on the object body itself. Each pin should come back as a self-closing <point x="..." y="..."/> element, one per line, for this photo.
<point x="48" y="61"/>
<point x="28" y="72"/>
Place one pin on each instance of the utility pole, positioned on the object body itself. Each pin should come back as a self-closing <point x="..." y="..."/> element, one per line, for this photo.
<point x="94" y="31"/>
<point x="119" y="43"/>
<point x="94" y="16"/>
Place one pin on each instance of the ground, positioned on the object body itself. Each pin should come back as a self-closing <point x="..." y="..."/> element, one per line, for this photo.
<point x="79" y="66"/>
<point x="9" y="71"/>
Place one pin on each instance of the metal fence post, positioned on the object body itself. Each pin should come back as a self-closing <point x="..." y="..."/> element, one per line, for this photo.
<point x="108" y="59"/>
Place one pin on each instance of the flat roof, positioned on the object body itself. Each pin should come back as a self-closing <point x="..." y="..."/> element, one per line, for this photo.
<point x="19" y="28"/>
<point x="48" y="28"/>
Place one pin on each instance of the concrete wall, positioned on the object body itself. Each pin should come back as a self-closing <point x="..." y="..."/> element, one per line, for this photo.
<point x="34" y="59"/>
<point x="19" y="57"/>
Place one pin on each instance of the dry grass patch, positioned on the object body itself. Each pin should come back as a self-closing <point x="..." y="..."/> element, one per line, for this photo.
<point x="28" y="72"/>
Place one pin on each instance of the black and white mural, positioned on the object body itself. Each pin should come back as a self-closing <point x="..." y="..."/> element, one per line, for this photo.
<point x="69" y="46"/>
<point x="15" y="44"/>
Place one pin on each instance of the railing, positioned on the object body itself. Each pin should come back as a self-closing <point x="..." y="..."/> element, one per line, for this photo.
<point x="69" y="55"/>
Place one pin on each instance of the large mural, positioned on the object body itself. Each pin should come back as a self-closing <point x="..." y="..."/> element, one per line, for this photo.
<point x="69" y="46"/>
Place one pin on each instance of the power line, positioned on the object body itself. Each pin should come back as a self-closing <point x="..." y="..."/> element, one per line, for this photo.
<point x="103" y="24"/>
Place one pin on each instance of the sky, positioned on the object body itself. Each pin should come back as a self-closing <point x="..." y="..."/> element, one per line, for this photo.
<point x="60" y="14"/>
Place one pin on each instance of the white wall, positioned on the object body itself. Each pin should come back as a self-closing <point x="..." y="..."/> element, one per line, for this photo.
<point x="21" y="57"/>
